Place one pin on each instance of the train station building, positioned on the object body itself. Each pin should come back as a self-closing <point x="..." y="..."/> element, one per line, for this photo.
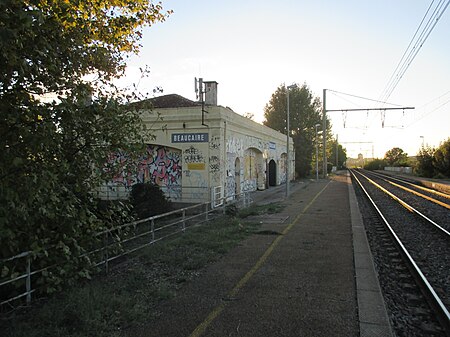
<point x="204" y="152"/>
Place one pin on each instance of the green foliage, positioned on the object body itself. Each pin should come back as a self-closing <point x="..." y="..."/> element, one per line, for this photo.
<point x="148" y="200"/>
<point x="434" y="163"/>
<point x="441" y="160"/>
<point x="342" y="154"/>
<point x="424" y="166"/>
<point x="376" y="164"/>
<point x="260" y="209"/>
<point x="305" y="112"/>
<point x="396" y="157"/>
<point x="55" y="154"/>
<point x="231" y="210"/>
<point x="130" y="295"/>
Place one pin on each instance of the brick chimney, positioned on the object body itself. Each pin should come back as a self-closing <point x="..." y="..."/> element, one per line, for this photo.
<point x="210" y="92"/>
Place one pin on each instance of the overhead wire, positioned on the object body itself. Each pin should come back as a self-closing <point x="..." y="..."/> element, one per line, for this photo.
<point x="385" y="90"/>
<point x="367" y="122"/>
<point x="423" y="115"/>
<point x="365" y="98"/>
<point x="411" y="53"/>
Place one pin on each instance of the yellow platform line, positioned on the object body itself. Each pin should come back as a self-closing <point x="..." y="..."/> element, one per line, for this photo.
<point x="201" y="328"/>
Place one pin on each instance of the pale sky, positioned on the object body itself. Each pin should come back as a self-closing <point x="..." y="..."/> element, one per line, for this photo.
<point x="252" y="47"/>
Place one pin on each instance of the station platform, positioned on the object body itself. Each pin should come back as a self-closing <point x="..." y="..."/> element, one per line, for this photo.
<point x="308" y="273"/>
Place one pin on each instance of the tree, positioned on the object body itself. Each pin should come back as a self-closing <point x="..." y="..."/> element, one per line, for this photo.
<point x="305" y="112"/>
<point x="342" y="154"/>
<point x="441" y="160"/>
<point x="396" y="157"/>
<point x="425" y="166"/>
<point x="375" y="164"/>
<point x="55" y="154"/>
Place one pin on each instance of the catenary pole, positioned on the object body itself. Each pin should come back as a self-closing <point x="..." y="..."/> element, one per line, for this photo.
<point x="324" y="134"/>
<point x="287" y="143"/>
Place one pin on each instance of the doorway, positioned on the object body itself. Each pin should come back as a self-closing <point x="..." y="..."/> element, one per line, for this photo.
<point x="272" y="173"/>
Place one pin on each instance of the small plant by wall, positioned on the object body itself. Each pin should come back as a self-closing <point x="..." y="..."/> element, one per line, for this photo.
<point x="148" y="200"/>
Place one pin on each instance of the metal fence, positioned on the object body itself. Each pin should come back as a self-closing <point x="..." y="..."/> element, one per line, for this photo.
<point x="176" y="193"/>
<point x="122" y="240"/>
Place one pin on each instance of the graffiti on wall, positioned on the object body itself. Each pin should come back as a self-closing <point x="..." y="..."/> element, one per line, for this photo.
<point x="254" y="142"/>
<point x="214" y="164"/>
<point x="214" y="143"/>
<point x="230" y="187"/>
<point x="250" y="165"/>
<point x="194" y="159"/>
<point x="122" y="160"/>
<point x="196" y="187"/>
<point x="282" y="166"/>
<point x="193" y="155"/>
<point x="235" y="145"/>
<point x="160" y="165"/>
<point x="230" y="183"/>
<point x="249" y="185"/>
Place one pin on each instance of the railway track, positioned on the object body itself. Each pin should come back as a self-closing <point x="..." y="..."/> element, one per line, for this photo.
<point x="408" y="230"/>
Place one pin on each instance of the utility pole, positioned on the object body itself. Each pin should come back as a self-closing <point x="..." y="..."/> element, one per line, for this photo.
<point x="288" y="157"/>
<point x="287" y="144"/>
<point x="324" y="134"/>
<point x="317" y="153"/>
<point x="337" y="152"/>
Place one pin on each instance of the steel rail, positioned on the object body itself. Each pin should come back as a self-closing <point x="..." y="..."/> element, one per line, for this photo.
<point x="405" y="204"/>
<point x="426" y="189"/>
<point x="429" y="292"/>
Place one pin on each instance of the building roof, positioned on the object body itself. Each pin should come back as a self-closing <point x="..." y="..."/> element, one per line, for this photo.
<point x="172" y="101"/>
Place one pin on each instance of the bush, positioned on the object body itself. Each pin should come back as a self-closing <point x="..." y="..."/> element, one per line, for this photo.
<point x="441" y="160"/>
<point x="425" y="167"/>
<point x="376" y="164"/>
<point x="149" y="200"/>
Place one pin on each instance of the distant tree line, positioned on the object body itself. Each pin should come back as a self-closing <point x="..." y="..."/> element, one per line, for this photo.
<point x="430" y="162"/>
<point x="434" y="162"/>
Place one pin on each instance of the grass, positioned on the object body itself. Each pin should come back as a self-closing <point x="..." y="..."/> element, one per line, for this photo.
<point x="130" y="293"/>
<point x="260" y="209"/>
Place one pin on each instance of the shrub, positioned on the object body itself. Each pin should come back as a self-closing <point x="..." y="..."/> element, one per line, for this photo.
<point x="441" y="160"/>
<point x="376" y="164"/>
<point x="425" y="167"/>
<point x="149" y="200"/>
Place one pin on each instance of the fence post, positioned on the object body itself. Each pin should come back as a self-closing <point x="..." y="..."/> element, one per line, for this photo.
<point x="153" y="229"/>
<point x="184" y="220"/>
<point x="28" y="280"/>
<point x="105" y="251"/>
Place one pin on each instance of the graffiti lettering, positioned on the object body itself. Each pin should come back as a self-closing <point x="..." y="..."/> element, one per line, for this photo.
<point x="160" y="165"/>
<point x="214" y="143"/>
<point x="193" y="155"/>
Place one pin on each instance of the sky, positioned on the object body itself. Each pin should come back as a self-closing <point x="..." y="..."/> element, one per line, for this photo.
<point x="347" y="47"/>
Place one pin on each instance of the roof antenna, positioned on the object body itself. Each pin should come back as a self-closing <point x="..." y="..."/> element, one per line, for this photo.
<point x="196" y="88"/>
<point x="199" y="95"/>
<point x="199" y="89"/>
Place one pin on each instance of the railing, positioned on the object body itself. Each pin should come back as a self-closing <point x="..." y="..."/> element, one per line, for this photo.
<point x="186" y="194"/>
<point x="128" y="238"/>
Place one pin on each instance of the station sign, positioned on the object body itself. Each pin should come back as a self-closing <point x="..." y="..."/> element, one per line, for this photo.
<point x="190" y="137"/>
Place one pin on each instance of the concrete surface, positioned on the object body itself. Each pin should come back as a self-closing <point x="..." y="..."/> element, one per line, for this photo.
<point x="302" y="282"/>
